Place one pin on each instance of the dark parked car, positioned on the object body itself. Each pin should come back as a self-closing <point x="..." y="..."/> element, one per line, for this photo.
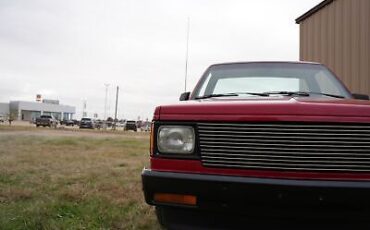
<point x="281" y="139"/>
<point x="76" y="122"/>
<point x="87" y="123"/>
<point x="131" y="125"/>
<point x="99" y="124"/>
<point x="67" y="122"/>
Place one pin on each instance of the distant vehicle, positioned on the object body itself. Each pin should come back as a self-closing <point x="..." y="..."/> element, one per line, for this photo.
<point x="46" y="120"/>
<point x="99" y="124"/>
<point x="146" y="126"/>
<point x="67" y="122"/>
<point x="131" y="125"/>
<point x="109" y="122"/>
<point x="120" y="124"/>
<point x="87" y="123"/>
<point x="2" y="119"/>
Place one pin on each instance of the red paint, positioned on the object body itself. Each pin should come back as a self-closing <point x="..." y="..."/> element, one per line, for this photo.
<point x="156" y="113"/>
<point x="269" y="109"/>
<point x="195" y="166"/>
<point x="259" y="109"/>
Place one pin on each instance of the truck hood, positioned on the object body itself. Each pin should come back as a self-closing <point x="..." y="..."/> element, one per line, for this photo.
<point x="275" y="108"/>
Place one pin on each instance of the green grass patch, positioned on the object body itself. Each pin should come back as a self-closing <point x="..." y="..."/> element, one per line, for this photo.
<point x="73" y="182"/>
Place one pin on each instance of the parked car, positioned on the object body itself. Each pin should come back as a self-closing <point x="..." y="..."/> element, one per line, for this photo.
<point x="87" y="123"/>
<point x="2" y="119"/>
<point x="46" y="120"/>
<point x="282" y="139"/>
<point x="121" y="124"/>
<point x="76" y="122"/>
<point x="109" y="122"/>
<point x="99" y="124"/>
<point x="131" y="125"/>
<point x="145" y="126"/>
<point x="67" y="122"/>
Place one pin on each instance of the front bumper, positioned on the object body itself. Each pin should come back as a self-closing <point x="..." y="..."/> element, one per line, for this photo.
<point x="128" y="127"/>
<point x="87" y="126"/>
<point x="261" y="196"/>
<point x="44" y="123"/>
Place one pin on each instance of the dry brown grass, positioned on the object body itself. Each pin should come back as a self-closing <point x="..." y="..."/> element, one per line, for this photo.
<point x="72" y="181"/>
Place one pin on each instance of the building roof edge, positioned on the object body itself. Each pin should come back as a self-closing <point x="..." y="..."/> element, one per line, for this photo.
<point x="313" y="10"/>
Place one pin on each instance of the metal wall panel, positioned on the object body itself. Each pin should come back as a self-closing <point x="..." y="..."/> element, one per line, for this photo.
<point x="338" y="36"/>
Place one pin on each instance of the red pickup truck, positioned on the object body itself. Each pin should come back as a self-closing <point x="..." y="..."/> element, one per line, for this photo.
<point x="261" y="139"/>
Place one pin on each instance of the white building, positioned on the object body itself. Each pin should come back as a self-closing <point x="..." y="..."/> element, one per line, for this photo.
<point x="27" y="110"/>
<point x="4" y="109"/>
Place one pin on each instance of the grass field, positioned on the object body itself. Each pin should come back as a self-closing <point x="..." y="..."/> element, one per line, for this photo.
<point x="64" y="180"/>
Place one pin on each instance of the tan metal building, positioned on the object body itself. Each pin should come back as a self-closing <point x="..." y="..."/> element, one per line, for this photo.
<point x="337" y="34"/>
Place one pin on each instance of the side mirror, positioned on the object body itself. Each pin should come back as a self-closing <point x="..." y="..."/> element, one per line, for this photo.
<point x="185" y="96"/>
<point x="360" y="96"/>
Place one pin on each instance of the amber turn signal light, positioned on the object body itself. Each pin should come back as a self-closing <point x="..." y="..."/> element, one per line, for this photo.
<point x="175" y="198"/>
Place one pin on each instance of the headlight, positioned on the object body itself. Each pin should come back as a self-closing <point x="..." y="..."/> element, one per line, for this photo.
<point x="176" y="139"/>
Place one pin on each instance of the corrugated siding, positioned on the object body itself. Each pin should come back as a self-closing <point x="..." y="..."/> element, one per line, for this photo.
<point x="339" y="36"/>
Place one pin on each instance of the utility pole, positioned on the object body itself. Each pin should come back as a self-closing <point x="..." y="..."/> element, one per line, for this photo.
<point x="106" y="99"/>
<point x="187" y="53"/>
<point x="115" y="111"/>
<point x="84" y="109"/>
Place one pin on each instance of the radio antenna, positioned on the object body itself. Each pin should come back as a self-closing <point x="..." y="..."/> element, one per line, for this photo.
<point x="187" y="52"/>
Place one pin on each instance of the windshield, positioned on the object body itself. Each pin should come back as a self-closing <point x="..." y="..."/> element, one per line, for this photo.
<point x="247" y="79"/>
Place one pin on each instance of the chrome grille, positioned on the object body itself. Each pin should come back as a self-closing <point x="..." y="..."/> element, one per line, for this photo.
<point x="285" y="146"/>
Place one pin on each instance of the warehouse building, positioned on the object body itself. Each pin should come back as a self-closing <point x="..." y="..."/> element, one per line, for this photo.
<point x="4" y="109"/>
<point x="28" y="110"/>
<point x="337" y="34"/>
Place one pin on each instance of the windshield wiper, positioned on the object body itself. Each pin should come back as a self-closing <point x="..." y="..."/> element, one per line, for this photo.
<point x="327" y="94"/>
<point x="217" y="95"/>
<point x="302" y="94"/>
<point x="231" y="95"/>
<point x="289" y="93"/>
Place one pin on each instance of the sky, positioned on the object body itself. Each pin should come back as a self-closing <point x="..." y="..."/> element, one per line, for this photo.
<point x="68" y="50"/>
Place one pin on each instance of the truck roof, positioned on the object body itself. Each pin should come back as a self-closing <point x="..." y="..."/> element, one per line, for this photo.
<point x="267" y="62"/>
